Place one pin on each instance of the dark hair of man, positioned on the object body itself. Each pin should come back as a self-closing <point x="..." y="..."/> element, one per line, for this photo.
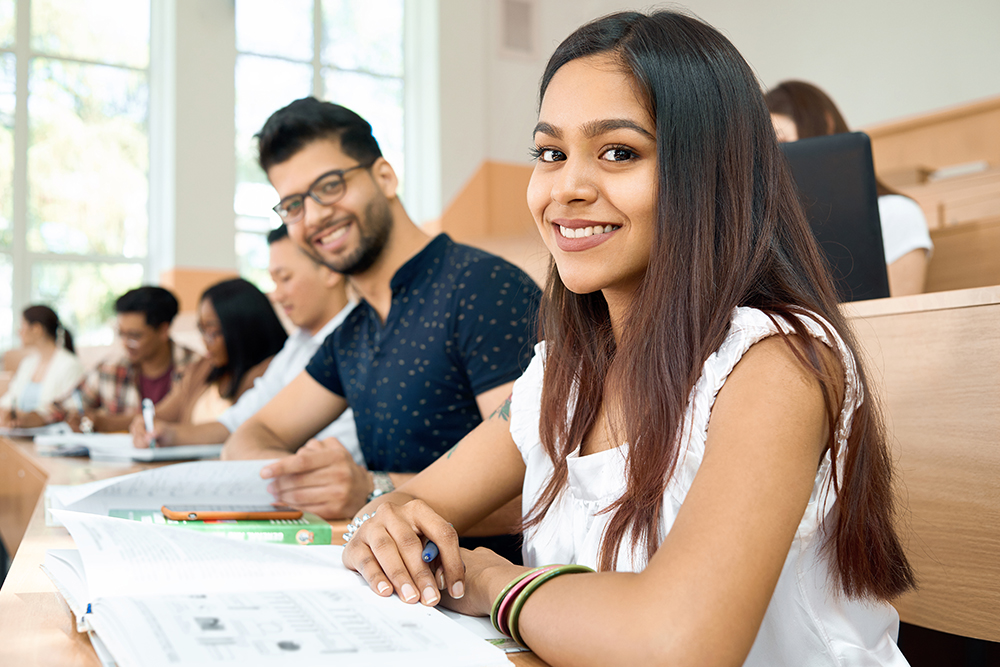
<point x="291" y="128"/>
<point x="156" y="303"/>
<point x="814" y="114"/>
<point x="250" y="328"/>
<point x="50" y="324"/>
<point x="278" y="233"/>
<point x="729" y="232"/>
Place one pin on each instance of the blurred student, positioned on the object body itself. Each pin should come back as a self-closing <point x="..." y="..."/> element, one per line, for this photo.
<point x="241" y="333"/>
<point x="50" y="369"/>
<point x="111" y="394"/>
<point x="800" y="110"/>
<point x="315" y="300"/>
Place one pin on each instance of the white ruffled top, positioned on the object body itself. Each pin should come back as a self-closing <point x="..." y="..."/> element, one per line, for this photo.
<point x="808" y="621"/>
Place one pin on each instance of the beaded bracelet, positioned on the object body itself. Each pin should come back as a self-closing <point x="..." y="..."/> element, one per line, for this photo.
<point x="507" y="606"/>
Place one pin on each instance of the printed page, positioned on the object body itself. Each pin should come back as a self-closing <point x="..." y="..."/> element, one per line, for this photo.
<point x="482" y="627"/>
<point x="215" y="482"/>
<point x="347" y="628"/>
<point x="123" y="557"/>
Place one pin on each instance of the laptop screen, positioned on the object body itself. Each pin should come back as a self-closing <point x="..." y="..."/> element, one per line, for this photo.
<point x="836" y="182"/>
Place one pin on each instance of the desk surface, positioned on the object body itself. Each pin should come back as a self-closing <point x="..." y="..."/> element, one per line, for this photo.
<point x="36" y="626"/>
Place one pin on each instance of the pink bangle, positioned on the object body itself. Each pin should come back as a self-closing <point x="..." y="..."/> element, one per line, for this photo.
<point x="508" y="599"/>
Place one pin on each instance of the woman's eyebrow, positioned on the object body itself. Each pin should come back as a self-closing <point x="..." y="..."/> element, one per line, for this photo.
<point x="596" y="128"/>
<point x="545" y="128"/>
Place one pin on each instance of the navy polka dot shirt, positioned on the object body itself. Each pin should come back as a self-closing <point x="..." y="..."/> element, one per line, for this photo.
<point x="462" y="321"/>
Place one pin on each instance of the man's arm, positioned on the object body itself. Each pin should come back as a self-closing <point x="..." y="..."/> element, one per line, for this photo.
<point x="284" y="424"/>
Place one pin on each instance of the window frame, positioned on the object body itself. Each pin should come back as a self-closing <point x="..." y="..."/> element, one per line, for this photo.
<point x="22" y="259"/>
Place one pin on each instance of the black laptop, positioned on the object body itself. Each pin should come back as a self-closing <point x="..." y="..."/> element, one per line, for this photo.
<point x="836" y="182"/>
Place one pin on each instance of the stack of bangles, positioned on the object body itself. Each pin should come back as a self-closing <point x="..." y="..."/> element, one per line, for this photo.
<point x="507" y="607"/>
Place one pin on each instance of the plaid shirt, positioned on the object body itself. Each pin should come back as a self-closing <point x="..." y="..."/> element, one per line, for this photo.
<point x="114" y="386"/>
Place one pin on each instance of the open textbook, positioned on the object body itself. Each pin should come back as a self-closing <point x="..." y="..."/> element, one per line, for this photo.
<point x="158" y="596"/>
<point x="117" y="446"/>
<point x="140" y="496"/>
<point x="238" y="482"/>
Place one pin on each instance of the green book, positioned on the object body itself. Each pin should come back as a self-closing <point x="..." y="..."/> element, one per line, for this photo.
<point x="309" y="529"/>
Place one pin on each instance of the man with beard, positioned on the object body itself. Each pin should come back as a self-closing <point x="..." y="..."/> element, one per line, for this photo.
<point x="440" y="334"/>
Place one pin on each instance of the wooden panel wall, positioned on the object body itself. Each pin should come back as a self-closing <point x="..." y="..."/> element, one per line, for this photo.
<point x="939" y="139"/>
<point x="935" y="361"/>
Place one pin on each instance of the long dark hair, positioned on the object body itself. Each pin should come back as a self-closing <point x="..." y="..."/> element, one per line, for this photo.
<point x="54" y="329"/>
<point x="250" y="327"/>
<point x="814" y="114"/>
<point x="729" y="232"/>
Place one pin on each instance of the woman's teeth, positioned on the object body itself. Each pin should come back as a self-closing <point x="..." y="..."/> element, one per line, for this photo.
<point x="580" y="232"/>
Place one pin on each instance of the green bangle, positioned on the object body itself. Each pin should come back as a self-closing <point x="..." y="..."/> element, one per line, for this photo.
<point x="506" y="589"/>
<point x="515" y="610"/>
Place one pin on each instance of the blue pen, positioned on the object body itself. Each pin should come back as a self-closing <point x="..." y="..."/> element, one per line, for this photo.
<point x="430" y="552"/>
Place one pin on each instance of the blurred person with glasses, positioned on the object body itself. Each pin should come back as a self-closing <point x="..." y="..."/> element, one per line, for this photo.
<point x="150" y="364"/>
<point x="315" y="300"/>
<point x="242" y="333"/>
<point x="441" y="332"/>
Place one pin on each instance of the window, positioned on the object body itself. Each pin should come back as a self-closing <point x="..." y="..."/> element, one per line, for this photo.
<point x="74" y="108"/>
<point x="343" y="51"/>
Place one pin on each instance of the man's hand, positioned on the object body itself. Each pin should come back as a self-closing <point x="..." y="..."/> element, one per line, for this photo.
<point x="322" y="478"/>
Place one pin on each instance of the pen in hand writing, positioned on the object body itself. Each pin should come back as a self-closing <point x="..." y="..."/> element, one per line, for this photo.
<point x="148" y="412"/>
<point x="430" y="552"/>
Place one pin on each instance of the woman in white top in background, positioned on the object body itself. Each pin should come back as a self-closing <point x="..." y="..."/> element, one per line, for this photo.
<point x="800" y="110"/>
<point x="48" y="372"/>
<point x="695" y="425"/>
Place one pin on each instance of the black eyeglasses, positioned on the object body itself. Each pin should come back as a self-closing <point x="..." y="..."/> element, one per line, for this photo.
<point x="325" y="190"/>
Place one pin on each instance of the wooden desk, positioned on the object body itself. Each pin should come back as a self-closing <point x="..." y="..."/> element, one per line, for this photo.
<point x="36" y="626"/>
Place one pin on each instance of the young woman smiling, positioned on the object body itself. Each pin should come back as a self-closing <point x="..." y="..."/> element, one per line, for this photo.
<point x="696" y="426"/>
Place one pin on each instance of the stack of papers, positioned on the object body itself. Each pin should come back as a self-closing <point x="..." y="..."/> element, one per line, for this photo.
<point x="117" y="446"/>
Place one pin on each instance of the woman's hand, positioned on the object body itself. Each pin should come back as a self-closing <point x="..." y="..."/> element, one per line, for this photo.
<point x="141" y="438"/>
<point x="486" y="574"/>
<point x="386" y="551"/>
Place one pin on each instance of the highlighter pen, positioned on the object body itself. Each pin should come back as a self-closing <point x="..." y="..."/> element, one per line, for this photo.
<point x="148" y="412"/>
<point x="430" y="552"/>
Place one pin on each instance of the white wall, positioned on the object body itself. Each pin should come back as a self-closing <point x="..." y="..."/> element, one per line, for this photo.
<point x="193" y="136"/>
<point x="879" y="60"/>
